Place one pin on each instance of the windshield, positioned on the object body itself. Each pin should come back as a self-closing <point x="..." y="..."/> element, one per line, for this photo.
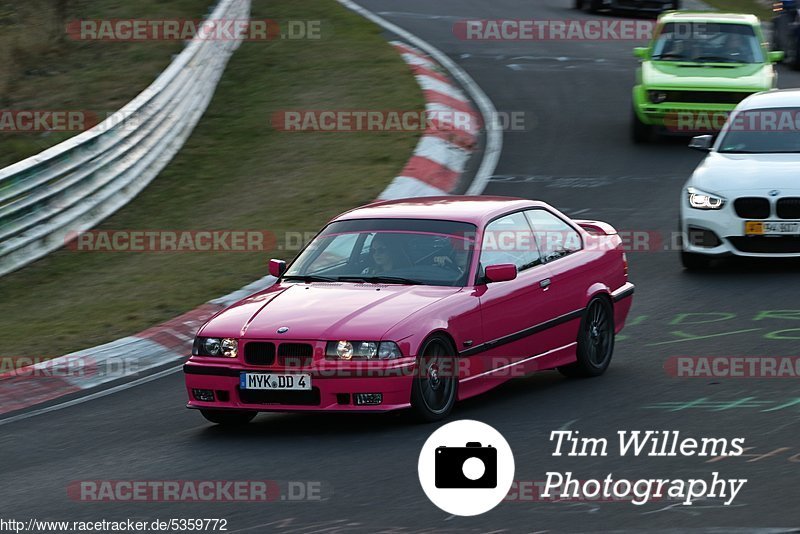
<point x="402" y="251"/>
<point x="704" y="42"/>
<point x="762" y="131"/>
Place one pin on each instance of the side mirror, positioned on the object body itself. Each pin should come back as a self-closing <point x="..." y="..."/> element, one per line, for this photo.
<point x="776" y="56"/>
<point x="502" y="272"/>
<point x="702" y="143"/>
<point x="641" y="52"/>
<point x="277" y="268"/>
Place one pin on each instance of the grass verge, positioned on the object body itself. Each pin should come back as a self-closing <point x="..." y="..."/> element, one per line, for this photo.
<point x="235" y="172"/>
<point x="42" y="68"/>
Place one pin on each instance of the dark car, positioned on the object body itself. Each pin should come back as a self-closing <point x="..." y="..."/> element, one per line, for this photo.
<point x="786" y="31"/>
<point x="651" y="7"/>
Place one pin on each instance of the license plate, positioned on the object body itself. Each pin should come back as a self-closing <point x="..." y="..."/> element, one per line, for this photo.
<point x="771" y="227"/>
<point x="273" y="381"/>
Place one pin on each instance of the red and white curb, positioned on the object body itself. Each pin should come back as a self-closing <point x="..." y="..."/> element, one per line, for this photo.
<point x="442" y="153"/>
<point x="434" y="169"/>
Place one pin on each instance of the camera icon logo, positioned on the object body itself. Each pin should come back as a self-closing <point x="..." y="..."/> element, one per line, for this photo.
<point x="464" y="476"/>
<point x="472" y="466"/>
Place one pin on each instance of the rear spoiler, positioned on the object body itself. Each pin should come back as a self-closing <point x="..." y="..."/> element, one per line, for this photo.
<point x="597" y="227"/>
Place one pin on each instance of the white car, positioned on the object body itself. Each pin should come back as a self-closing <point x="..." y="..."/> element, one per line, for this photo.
<point x="744" y="198"/>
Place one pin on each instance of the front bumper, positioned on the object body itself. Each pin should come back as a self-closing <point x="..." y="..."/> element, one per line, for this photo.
<point x="331" y="391"/>
<point x="729" y="228"/>
<point x="681" y="117"/>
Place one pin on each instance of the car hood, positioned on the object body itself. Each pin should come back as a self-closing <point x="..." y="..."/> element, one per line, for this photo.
<point x="719" y="173"/>
<point x="321" y="311"/>
<point x="681" y="75"/>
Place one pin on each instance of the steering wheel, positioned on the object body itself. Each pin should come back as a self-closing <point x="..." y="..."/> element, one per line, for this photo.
<point x="428" y="256"/>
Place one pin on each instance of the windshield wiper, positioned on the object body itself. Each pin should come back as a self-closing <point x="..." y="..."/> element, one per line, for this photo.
<point x="669" y="56"/>
<point x="716" y="59"/>
<point x="380" y="280"/>
<point x="307" y="278"/>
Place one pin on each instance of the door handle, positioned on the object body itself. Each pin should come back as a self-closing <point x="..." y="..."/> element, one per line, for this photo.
<point x="544" y="284"/>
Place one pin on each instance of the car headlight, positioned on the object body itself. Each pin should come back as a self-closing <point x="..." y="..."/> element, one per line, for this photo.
<point x="214" y="346"/>
<point x="362" y="350"/>
<point x="658" y="97"/>
<point x="704" y="201"/>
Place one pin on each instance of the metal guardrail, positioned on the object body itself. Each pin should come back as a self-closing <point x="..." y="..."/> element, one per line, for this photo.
<point x="50" y="197"/>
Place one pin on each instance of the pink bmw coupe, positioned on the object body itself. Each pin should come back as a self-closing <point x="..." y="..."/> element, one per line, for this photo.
<point x="415" y="304"/>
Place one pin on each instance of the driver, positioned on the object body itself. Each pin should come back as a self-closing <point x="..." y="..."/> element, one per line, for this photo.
<point x="456" y="260"/>
<point x="738" y="49"/>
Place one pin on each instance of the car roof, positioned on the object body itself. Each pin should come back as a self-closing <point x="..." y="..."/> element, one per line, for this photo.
<point x="776" y="98"/>
<point x="477" y="210"/>
<point x="709" y="16"/>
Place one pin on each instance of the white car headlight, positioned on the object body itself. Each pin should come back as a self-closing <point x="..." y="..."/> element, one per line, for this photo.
<point x="229" y="347"/>
<point x="215" y="346"/>
<point x="362" y="350"/>
<point x="704" y="201"/>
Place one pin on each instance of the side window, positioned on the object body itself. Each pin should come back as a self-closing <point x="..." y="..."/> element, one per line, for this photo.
<point x="555" y="237"/>
<point x="510" y="240"/>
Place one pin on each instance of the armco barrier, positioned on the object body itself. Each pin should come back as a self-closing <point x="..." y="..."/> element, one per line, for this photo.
<point x="74" y="185"/>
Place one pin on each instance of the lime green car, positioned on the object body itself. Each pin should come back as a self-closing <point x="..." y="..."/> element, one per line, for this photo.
<point x="697" y="68"/>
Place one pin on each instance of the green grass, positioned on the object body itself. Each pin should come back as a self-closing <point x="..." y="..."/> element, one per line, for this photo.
<point x="755" y="7"/>
<point x="42" y="68"/>
<point x="235" y="172"/>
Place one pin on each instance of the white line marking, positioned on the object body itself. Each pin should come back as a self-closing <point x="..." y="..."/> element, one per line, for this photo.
<point x="99" y="394"/>
<point x="494" y="134"/>
<point x="568" y="424"/>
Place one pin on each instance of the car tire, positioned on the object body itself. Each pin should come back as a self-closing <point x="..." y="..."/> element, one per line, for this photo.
<point x="640" y="132"/>
<point x="229" y="417"/>
<point x="578" y="4"/>
<point x="676" y="5"/>
<point x="695" y="262"/>
<point x="595" y="5"/>
<point x="435" y="386"/>
<point x="595" y="341"/>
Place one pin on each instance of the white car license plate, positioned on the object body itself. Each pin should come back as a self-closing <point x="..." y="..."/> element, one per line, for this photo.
<point x="772" y="228"/>
<point x="275" y="381"/>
